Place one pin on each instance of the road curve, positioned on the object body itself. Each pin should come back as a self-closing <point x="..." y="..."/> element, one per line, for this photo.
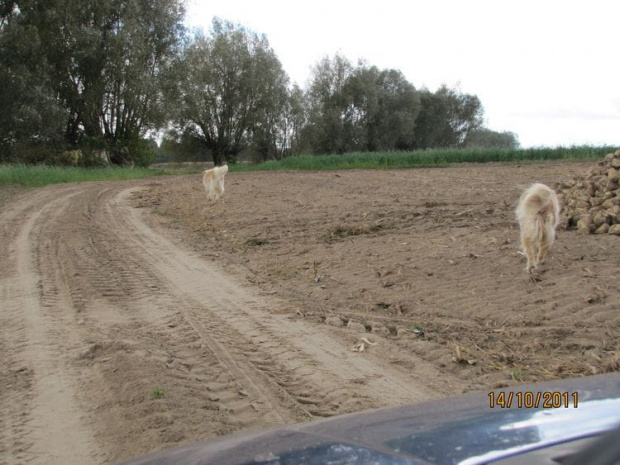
<point x="118" y="340"/>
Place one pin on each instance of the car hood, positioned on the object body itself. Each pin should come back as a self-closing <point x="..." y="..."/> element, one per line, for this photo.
<point x="478" y="427"/>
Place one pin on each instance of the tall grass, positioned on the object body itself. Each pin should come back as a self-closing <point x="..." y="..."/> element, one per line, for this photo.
<point x="424" y="158"/>
<point x="41" y="175"/>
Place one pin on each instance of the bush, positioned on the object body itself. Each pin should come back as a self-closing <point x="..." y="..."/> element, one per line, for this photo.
<point x="91" y="160"/>
<point x="31" y="153"/>
<point x="141" y="152"/>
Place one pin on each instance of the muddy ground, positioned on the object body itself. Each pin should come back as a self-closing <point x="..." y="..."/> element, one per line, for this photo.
<point x="136" y="316"/>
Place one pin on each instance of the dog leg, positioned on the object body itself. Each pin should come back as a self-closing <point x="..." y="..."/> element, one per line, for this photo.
<point x="530" y="253"/>
<point x="546" y="242"/>
<point x="542" y="253"/>
<point x="218" y="191"/>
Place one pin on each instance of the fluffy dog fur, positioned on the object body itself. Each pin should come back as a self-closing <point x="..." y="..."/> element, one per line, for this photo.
<point x="213" y="180"/>
<point x="538" y="214"/>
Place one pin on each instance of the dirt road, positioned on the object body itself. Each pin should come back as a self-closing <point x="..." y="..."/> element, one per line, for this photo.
<point x="118" y="340"/>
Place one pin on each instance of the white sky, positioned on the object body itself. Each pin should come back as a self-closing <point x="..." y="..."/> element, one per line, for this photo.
<point x="548" y="70"/>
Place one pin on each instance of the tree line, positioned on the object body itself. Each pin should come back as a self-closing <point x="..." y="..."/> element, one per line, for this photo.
<point x="113" y="75"/>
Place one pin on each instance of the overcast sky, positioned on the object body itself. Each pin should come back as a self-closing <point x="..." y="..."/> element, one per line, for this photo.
<point x="547" y="70"/>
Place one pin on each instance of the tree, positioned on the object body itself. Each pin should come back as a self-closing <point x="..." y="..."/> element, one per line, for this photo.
<point x="32" y="118"/>
<point x="295" y="119"/>
<point x="383" y="109"/>
<point x="326" y="131"/>
<point x="486" y="138"/>
<point x="231" y="91"/>
<point x="179" y="147"/>
<point x="143" y="43"/>
<point x="102" y="61"/>
<point x="400" y="106"/>
<point x="446" y="119"/>
<point x="361" y="97"/>
<point x="359" y="109"/>
<point x="268" y="130"/>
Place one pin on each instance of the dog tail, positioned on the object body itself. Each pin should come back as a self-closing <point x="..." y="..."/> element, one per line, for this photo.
<point x="541" y="202"/>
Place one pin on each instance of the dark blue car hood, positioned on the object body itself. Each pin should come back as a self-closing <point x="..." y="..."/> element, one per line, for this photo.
<point x="474" y="428"/>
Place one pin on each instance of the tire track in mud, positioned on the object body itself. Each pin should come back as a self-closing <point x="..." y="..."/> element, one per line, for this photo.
<point x="319" y="374"/>
<point x="41" y="408"/>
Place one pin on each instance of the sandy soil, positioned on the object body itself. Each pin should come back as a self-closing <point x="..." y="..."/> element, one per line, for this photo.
<point x="136" y="316"/>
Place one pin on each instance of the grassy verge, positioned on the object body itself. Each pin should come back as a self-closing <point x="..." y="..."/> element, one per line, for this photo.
<point x="40" y="175"/>
<point x="425" y="158"/>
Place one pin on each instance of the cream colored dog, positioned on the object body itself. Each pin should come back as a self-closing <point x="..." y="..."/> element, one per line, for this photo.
<point x="213" y="180"/>
<point x="538" y="214"/>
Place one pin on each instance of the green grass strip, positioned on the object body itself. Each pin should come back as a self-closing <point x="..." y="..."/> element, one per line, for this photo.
<point x="41" y="175"/>
<point x="425" y="158"/>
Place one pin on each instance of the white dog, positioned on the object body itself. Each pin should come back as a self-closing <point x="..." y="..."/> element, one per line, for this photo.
<point x="213" y="180"/>
<point x="538" y="214"/>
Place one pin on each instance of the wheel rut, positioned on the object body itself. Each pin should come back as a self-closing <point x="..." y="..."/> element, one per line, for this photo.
<point x="120" y="341"/>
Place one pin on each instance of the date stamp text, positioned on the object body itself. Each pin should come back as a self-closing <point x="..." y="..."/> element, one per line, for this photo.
<point x="533" y="399"/>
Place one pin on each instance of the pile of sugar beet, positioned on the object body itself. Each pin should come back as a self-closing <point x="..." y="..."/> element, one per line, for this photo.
<point x="591" y="203"/>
